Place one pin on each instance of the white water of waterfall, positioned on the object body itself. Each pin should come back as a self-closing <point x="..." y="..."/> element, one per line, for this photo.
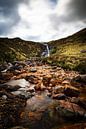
<point x="48" y="51"/>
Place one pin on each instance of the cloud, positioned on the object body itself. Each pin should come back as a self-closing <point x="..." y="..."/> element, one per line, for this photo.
<point x="41" y="20"/>
<point x="8" y="15"/>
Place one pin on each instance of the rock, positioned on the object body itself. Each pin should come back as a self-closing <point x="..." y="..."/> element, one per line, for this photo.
<point x="33" y="70"/>
<point x="35" y="115"/>
<point x="59" y="96"/>
<point x="10" y="88"/>
<point x="10" y="110"/>
<point x="32" y="79"/>
<point x="70" y="110"/>
<point x="75" y="126"/>
<point x="18" y="127"/>
<point x="22" y="94"/>
<point x="53" y="82"/>
<point x="71" y="91"/>
<point x="58" y="89"/>
<point x="66" y="82"/>
<point x="46" y="80"/>
<point x="82" y="103"/>
<point x="80" y="78"/>
<point x="40" y="87"/>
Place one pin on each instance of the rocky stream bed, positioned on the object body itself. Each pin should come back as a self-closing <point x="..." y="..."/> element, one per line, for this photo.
<point x="34" y="95"/>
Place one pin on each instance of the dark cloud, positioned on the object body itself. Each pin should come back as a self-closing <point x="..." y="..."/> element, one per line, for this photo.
<point x="8" y="14"/>
<point x="76" y="10"/>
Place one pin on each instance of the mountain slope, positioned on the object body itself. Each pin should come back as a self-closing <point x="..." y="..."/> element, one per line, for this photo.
<point x="17" y="49"/>
<point x="70" y="52"/>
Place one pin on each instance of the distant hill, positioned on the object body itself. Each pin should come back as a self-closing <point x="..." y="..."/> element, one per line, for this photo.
<point x="69" y="52"/>
<point x="18" y="49"/>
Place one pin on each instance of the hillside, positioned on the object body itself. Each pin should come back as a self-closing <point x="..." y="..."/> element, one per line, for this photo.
<point x="17" y="49"/>
<point x="70" y="52"/>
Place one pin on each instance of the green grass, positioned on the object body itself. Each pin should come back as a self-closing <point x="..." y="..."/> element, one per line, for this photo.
<point x="69" y="53"/>
<point x="17" y="49"/>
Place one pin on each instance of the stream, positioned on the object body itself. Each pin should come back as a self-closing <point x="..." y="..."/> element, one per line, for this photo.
<point x="44" y="98"/>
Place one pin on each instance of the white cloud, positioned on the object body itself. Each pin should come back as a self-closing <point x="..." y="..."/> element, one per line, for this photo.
<point x="44" y="20"/>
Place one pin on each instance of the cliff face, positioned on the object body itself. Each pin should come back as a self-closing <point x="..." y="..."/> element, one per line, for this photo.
<point x="17" y="49"/>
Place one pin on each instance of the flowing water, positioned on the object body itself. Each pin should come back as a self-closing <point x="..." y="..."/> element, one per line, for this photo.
<point x="46" y="52"/>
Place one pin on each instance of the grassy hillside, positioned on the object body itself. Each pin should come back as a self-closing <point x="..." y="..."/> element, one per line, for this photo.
<point x="17" y="49"/>
<point x="70" y="52"/>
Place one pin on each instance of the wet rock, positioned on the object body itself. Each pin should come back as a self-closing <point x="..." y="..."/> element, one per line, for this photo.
<point x="46" y="80"/>
<point x="34" y="113"/>
<point x="80" y="78"/>
<point x="71" y="91"/>
<point x="59" y="96"/>
<point x="53" y="82"/>
<point x="58" y="89"/>
<point x="32" y="79"/>
<point x="70" y="111"/>
<point x="66" y="82"/>
<point x="40" y="87"/>
<point x="75" y="126"/>
<point x="33" y="70"/>
<point x="19" y="82"/>
<point x="18" y="127"/>
<point x="10" y="88"/>
<point x="82" y="103"/>
<point x="10" y="110"/>
<point x="22" y="94"/>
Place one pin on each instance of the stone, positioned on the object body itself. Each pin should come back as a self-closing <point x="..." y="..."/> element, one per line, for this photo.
<point x="80" y="78"/>
<point x="40" y="87"/>
<point x="18" y="127"/>
<point x="66" y="82"/>
<point x="70" y="111"/>
<point x="46" y="80"/>
<point x="59" y="96"/>
<point x="58" y="89"/>
<point x="32" y="79"/>
<point x="71" y="91"/>
<point x="10" y="110"/>
<point x="33" y="70"/>
<point x="10" y="88"/>
<point x="75" y="126"/>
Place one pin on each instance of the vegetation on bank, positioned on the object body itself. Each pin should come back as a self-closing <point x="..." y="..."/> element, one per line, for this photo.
<point x="69" y="53"/>
<point x="17" y="49"/>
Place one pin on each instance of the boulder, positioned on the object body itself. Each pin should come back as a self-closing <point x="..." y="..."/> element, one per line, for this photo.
<point x="70" y="111"/>
<point x="59" y="96"/>
<point x="80" y="78"/>
<point x="18" y="127"/>
<point x="71" y="91"/>
<point x="32" y="79"/>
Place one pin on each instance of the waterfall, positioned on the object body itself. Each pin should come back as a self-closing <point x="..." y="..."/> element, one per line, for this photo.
<point x="46" y="52"/>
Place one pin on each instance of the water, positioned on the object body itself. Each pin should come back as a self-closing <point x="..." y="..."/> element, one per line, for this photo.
<point x="46" y="53"/>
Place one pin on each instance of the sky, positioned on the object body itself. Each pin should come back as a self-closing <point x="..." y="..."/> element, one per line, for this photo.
<point x="41" y="20"/>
